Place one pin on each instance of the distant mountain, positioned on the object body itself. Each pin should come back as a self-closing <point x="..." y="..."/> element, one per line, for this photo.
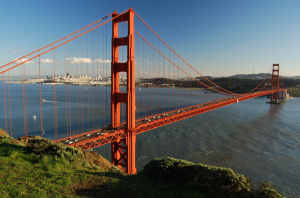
<point x="251" y="76"/>
<point x="259" y="76"/>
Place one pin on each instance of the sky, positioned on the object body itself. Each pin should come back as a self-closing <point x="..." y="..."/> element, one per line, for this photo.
<point x="216" y="37"/>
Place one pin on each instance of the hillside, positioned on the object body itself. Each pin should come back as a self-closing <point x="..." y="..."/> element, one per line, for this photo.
<point x="37" y="167"/>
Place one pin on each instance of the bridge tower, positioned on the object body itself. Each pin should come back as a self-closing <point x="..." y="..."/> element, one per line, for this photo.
<point x="275" y="83"/>
<point x="123" y="151"/>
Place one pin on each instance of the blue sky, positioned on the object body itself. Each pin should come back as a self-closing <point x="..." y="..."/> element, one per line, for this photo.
<point x="218" y="38"/>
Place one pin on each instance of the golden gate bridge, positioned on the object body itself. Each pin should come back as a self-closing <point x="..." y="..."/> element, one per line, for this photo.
<point x="140" y="62"/>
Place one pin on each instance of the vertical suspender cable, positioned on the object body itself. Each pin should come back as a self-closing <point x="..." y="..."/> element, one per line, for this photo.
<point x="97" y="77"/>
<point x="145" y="69"/>
<point x="106" y="90"/>
<point x="53" y="95"/>
<point x="41" y="112"/>
<point x="173" y="83"/>
<point x="23" y="99"/>
<point x="104" y="99"/>
<point x="122" y="104"/>
<point x="152" y="96"/>
<point x="70" y="120"/>
<point x="158" y="69"/>
<point x="149" y="75"/>
<point x="25" y="91"/>
<point x="81" y="87"/>
<point x="144" y="78"/>
<point x="77" y="85"/>
<point x="87" y="75"/>
<point x="9" y="105"/>
<point x="93" y="77"/>
<point x="66" y="90"/>
<point x="138" y="70"/>
<point x="169" y="84"/>
<point x="4" y="102"/>
<point x="163" y="76"/>
<point x="55" y="100"/>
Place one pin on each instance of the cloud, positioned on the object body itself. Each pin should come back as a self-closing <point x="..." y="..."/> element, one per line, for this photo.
<point x="47" y="60"/>
<point x="86" y="60"/>
<point x="15" y="51"/>
<point x="101" y="61"/>
<point x="24" y="59"/>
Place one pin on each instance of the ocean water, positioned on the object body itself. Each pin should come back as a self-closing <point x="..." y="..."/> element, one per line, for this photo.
<point x="252" y="137"/>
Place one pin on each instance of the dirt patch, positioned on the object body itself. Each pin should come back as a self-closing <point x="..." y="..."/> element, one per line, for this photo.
<point x="2" y="132"/>
<point x="95" y="159"/>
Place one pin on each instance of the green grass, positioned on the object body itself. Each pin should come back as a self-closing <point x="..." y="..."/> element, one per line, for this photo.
<point x="40" y="168"/>
<point x="294" y="91"/>
<point x="24" y="173"/>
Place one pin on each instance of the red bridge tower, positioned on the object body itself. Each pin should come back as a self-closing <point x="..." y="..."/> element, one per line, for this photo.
<point x="123" y="151"/>
<point x="275" y="83"/>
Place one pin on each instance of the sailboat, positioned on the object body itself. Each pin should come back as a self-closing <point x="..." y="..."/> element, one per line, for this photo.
<point x="34" y="117"/>
<point x="44" y="132"/>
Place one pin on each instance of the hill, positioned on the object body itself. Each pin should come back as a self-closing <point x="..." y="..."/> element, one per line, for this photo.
<point x="36" y="167"/>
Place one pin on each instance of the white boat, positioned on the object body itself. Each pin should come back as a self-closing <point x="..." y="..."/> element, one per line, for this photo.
<point x="43" y="100"/>
<point x="34" y="117"/>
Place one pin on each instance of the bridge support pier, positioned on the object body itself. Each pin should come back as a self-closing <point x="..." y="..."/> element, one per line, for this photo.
<point x="123" y="151"/>
<point x="275" y="84"/>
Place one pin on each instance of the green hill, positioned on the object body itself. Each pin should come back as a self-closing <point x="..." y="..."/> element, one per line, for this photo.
<point x="36" y="167"/>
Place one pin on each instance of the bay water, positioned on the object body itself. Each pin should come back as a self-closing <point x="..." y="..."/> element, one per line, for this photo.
<point x="252" y="137"/>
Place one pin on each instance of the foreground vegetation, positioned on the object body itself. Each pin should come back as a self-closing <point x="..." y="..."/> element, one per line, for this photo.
<point x="38" y="168"/>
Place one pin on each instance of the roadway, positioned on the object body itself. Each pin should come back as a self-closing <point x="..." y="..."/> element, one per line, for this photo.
<point x="99" y="137"/>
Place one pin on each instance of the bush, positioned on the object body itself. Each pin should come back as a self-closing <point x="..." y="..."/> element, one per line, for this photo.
<point x="207" y="177"/>
<point x="47" y="147"/>
<point x="266" y="190"/>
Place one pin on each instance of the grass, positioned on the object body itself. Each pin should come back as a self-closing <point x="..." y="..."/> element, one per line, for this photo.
<point x="39" y="168"/>
<point x="294" y="91"/>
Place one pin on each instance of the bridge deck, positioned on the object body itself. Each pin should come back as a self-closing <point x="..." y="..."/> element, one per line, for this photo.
<point x="100" y="137"/>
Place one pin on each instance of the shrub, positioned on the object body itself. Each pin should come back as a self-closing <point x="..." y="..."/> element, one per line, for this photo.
<point x="266" y="190"/>
<point x="210" y="177"/>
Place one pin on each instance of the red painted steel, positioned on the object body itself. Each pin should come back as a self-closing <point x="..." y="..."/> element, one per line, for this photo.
<point x="170" y="117"/>
<point x="123" y="151"/>
<point x="275" y="83"/>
